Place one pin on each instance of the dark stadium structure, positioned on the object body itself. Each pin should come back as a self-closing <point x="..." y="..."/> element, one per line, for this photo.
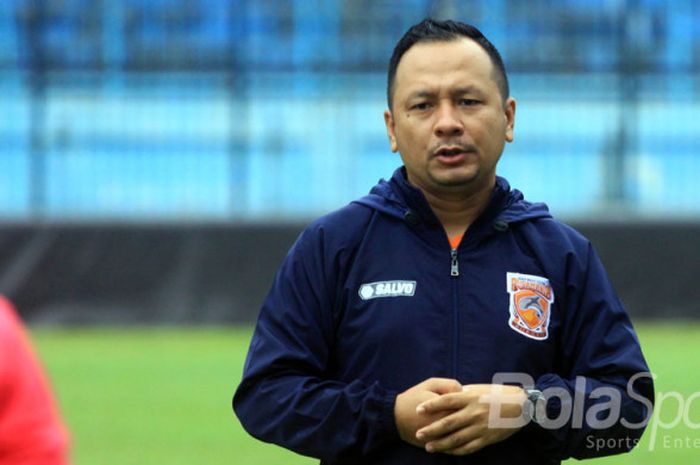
<point x="182" y="127"/>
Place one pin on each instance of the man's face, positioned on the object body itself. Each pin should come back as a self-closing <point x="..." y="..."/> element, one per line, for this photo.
<point x="449" y="121"/>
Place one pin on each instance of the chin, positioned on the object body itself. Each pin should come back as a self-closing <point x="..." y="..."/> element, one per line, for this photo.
<point x="455" y="179"/>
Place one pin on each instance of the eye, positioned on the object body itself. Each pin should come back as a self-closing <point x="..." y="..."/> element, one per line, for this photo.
<point x="468" y="102"/>
<point x="420" y="106"/>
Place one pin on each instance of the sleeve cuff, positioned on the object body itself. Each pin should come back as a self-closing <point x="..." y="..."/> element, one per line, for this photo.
<point x="387" y="419"/>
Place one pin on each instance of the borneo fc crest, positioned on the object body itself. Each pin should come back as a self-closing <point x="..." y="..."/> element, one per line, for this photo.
<point x="531" y="299"/>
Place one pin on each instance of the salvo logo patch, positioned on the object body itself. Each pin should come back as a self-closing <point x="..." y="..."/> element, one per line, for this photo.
<point x="387" y="289"/>
<point x="531" y="299"/>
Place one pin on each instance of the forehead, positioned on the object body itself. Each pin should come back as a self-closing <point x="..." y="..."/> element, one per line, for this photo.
<point x="459" y="62"/>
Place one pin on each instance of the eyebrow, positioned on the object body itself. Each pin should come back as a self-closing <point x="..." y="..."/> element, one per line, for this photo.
<point x="467" y="90"/>
<point x="456" y="92"/>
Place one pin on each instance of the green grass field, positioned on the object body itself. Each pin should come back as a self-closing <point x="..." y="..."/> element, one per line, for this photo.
<point x="163" y="396"/>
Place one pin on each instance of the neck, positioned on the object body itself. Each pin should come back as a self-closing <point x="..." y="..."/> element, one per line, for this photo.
<point x="458" y="209"/>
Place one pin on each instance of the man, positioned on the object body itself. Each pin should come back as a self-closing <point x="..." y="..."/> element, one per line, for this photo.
<point x="442" y="318"/>
<point x="31" y="432"/>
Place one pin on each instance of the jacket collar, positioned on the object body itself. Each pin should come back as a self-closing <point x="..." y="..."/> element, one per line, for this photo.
<point x="415" y="201"/>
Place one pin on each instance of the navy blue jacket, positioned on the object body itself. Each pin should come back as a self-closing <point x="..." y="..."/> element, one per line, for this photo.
<point x="371" y="300"/>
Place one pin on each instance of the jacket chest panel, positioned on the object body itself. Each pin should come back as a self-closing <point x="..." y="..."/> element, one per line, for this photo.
<point x="402" y="307"/>
<point x="508" y="317"/>
<point x="394" y="314"/>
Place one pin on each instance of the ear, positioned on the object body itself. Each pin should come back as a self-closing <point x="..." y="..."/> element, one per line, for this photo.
<point x="509" y="111"/>
<point x="389" y="122"/>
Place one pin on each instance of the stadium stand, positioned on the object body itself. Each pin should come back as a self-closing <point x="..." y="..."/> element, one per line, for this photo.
<point x="188" y="110"/>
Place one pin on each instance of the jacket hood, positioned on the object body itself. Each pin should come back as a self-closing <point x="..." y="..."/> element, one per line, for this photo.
<point x="397" y="198"/>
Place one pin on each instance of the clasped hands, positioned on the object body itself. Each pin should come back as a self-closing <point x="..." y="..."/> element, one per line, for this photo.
<point x="441" y="415"/>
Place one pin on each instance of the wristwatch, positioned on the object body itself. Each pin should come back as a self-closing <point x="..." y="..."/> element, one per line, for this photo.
<point x="535" y="407"/>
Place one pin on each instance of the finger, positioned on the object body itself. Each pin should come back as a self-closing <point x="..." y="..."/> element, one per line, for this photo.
<point x="444" y="426"/>
<point x="468" y="448"/>
<point x="450" y="401"/>
<point x="488" y="391"/>
<point x="454" y="441"/>
<point x="442" y="385"/>
<point x="482" y="387"/>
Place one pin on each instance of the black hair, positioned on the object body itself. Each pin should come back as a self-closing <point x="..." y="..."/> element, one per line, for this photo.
<point x="430" y="30"/>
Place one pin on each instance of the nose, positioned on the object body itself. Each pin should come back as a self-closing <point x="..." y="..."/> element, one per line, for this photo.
<point x="448" y="123"/>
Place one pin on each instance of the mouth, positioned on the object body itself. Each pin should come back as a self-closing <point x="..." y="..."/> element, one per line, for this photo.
<point x="452" y="154"/>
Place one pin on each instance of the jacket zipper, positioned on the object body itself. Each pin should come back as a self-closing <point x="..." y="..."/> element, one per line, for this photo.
<point x="454" y="273"/>
<point x="454" y="268"/>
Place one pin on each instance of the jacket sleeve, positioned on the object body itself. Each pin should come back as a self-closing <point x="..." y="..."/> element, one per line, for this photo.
<point x="607" y="393"/>
<point x="287" y="395"/>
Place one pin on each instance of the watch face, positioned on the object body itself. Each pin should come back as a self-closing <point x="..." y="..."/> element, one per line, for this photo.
<point x="540" y="410"/>
<point x="536" y="406"/>
<point x="528" y="410"/>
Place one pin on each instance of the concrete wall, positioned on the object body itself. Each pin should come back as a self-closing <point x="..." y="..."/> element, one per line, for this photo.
<point x="175" y="274"/>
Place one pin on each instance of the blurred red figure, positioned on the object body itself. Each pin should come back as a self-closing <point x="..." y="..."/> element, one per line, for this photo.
<point x="31" y="432"/>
